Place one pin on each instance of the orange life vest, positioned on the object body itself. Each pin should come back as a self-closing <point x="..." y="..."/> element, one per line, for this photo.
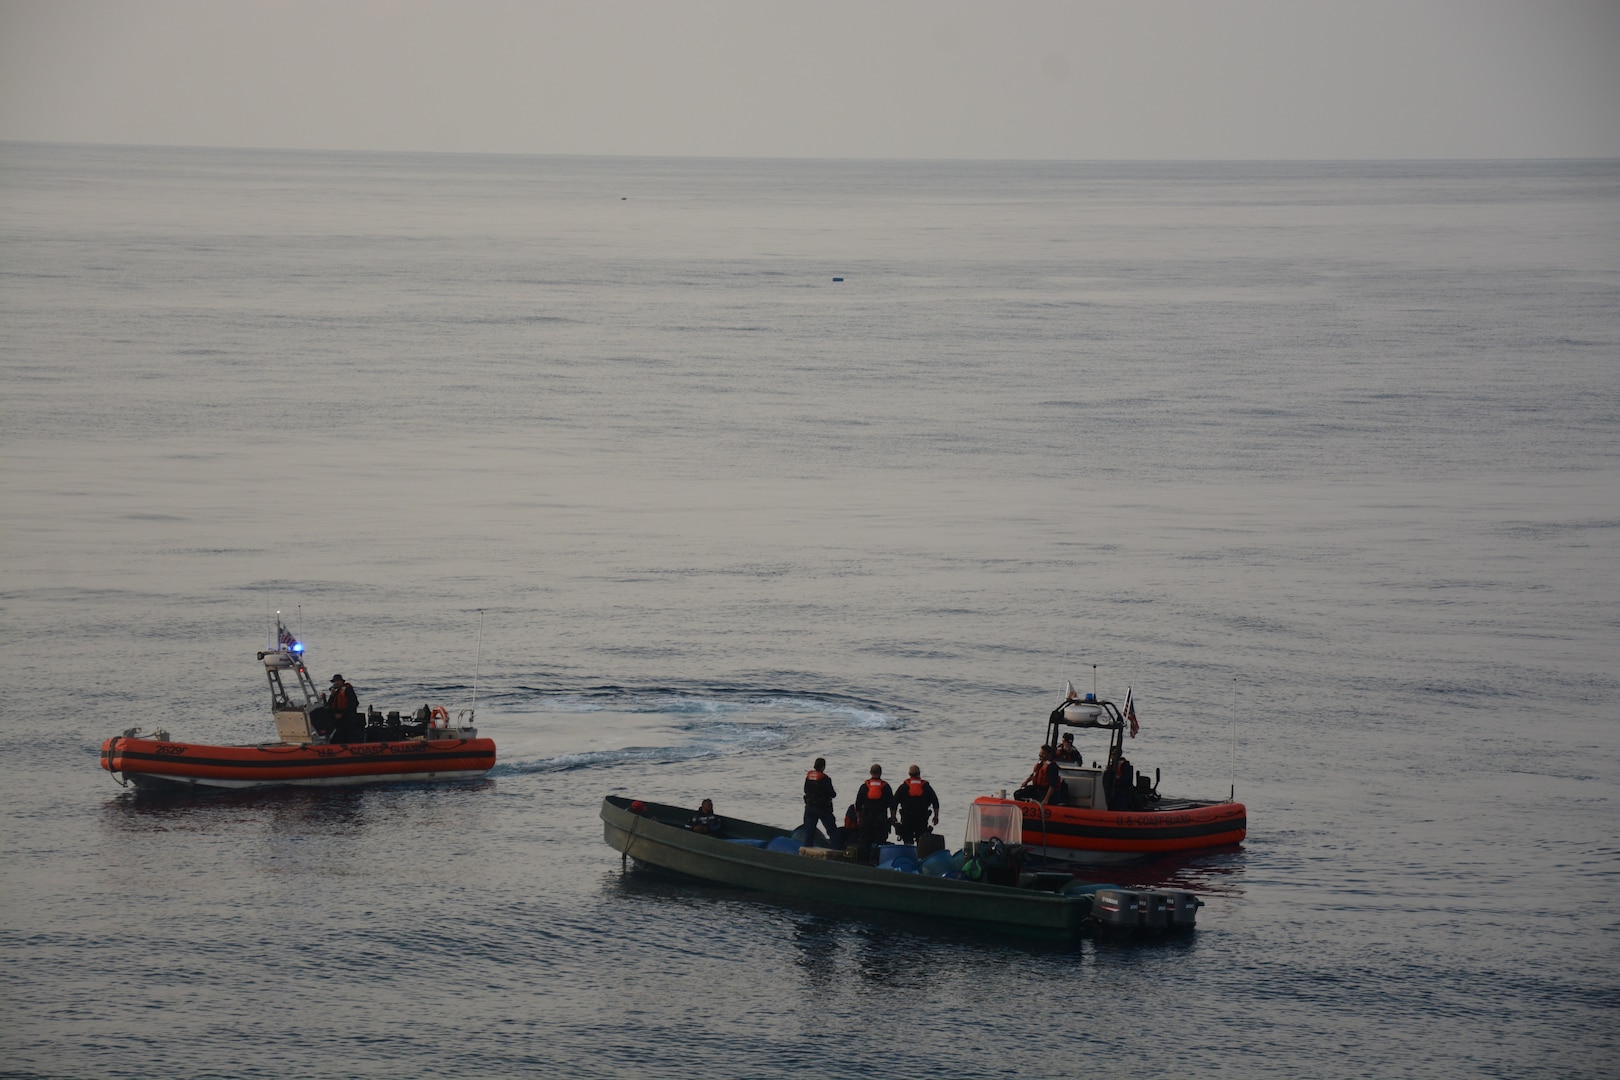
<point x="914" y="787"/>
<point x="875" y="789"/>
<point x="814" y="775"/>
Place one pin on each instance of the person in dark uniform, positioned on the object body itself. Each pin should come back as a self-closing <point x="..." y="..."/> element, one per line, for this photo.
<point x="1119" y="783"/>
<point x="914" y="798"/>
<point x="818" y="804"/>
<point x="1065" y="749"/>
<point x="705" y="820"/>
<point x="874" y="804"/>
<point x="344" y="704"/>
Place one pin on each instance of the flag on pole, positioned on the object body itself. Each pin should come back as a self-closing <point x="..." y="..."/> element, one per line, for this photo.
<point x="1130" y="711"/>
<point x="1068" y="690"/>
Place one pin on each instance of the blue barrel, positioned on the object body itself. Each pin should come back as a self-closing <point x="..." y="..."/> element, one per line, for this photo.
<point x="939" y="864"/>
<point x="785" y="844"/>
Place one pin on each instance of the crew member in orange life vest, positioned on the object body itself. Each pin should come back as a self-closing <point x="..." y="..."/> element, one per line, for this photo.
<point x="818" y="805"/>
<point x="1044" y="784"/>
<point x="1065" y="749"/>
<point x="874" y="803"/>
<point x="344" y="705"/>
<point x="342" y="700"/>
<point x="914" y="798"/>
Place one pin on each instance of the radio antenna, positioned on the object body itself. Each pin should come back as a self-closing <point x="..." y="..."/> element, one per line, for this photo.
<point x="1232" y="793"/>
<point x="478" y="657"/>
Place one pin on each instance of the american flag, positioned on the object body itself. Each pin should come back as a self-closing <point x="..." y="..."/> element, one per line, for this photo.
<point x="1130" y="711"/>
<point x="284" y="638"/>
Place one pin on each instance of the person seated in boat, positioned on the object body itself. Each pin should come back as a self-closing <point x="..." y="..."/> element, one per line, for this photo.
<point x="705" y="821"/>
<point x="874" y="805"/>
<point x="1044" y="784"/>
<point x="1065" y="748"/>
<point x="1125" y="785"/>
<point x="913" y="799"/>
<point x="1119" y="783"/>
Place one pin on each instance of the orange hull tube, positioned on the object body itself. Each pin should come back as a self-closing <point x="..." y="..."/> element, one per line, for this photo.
<point x="148" y="762"/>
<point x="1076" y="833"/>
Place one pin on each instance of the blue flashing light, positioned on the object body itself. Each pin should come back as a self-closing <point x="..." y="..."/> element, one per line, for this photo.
<point x="298" y="646"/>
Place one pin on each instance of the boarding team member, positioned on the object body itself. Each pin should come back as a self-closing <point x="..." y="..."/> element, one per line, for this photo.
<point x="874" y="803"/>
<point x="914" y="798"/>
<point x="818" y="803"/>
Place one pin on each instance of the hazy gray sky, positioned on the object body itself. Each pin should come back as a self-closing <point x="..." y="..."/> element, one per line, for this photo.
<point x="818" y="78"/>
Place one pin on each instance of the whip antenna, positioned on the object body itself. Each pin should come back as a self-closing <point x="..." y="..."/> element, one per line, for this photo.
<point x="1232" y="794"/>
<point x="478" y="657"/>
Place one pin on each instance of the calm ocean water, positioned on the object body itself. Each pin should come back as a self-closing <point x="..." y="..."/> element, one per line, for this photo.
<point x="1337" y="443"/>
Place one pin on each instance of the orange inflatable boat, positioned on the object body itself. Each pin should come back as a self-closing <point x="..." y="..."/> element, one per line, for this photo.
<point x="1107" y="811"/>
<point x="155" y="760"/>
<point x="324" y="740"/>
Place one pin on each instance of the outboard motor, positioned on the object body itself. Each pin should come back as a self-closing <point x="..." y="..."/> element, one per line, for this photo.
<point x="1182" y="908"/>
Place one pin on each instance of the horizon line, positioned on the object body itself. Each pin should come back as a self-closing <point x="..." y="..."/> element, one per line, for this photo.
<point x="79" y="144"/>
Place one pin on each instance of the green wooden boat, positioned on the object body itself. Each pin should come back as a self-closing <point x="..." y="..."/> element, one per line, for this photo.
<point x="656" y="835"/>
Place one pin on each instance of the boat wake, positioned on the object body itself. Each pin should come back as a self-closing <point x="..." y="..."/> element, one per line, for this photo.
<point x="553" y="731"/>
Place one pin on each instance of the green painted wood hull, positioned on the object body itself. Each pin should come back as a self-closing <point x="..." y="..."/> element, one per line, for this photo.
<point x="658" y="837"/>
